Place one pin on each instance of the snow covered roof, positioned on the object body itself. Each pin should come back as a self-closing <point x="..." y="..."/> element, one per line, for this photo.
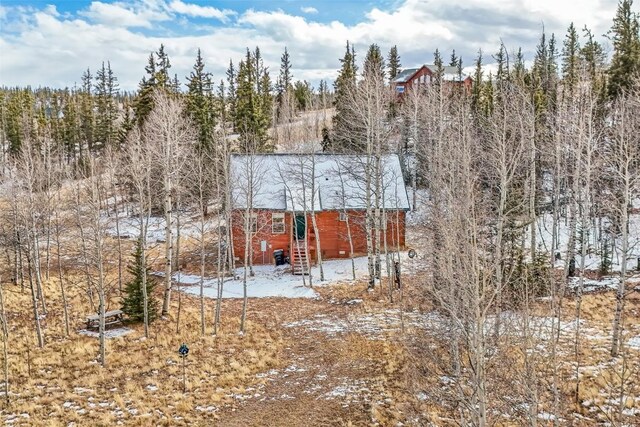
<point x="450" y="74"/>
<point x="295" y="182"/>
<point x="405" y="75"/>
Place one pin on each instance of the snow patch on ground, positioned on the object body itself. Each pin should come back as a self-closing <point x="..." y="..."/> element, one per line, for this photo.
<point x="110" y="333"/>
<point x="593" y="260"/>
<point x="634" y="343"/>
<point x="590" y="285"/>
<point x="546" y="416"/>
<point x="129" y="227"/>
<point x="269" y="281"/>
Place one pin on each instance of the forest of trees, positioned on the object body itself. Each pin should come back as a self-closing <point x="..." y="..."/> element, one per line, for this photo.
<point x="560" y="137"/>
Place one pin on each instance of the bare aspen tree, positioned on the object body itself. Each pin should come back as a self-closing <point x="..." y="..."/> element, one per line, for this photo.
<point x="224" y="194"/>
<point x="587" y="139"/>
<point x="413" y="113"/>
<point x="28" y="173"/>
<point x="177" y="266"/>
<point x="5" y="343"/>
<point x="435" y="170"/>
<point x="114" y="163"/>
<point x="31" y="171"/>
<point x="60" y="204"/>
<point x="98" y="253"/>
<point x="367" y="103"/>
<point x="84" y="248"/>
<point x="315" y="194"/>
<point x="169" y="132"/>
<point x="139" y="169"/>
<point x="248" y="170"/>
<point x="342" y="197"/>
<point x="48" y="186"/>
<point x="306" y="201"/>
<point x="202" y="182"/>
<point x="506" y="139"/>
<point x="289" y="174"/>
<point x="299" y="179"/>
<point x="623" y="158"/>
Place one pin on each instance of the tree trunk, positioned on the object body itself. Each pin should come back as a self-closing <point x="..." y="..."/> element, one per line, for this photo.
<point x="168" y="247"/>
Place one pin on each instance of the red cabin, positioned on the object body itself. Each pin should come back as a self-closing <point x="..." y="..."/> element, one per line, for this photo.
<point x="290" y="202"/>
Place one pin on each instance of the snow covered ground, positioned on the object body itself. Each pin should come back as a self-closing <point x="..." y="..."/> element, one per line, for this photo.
<point x="593" y="260"/>
<point x="270" y="281"/>
<point x="109" y="333"/>
<point x="590" y="285"/>
<point x="129" y="227"/>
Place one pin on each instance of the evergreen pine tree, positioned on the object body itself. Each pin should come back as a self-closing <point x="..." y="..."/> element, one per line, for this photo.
<point x="158" y="77"/>
<point x="70" y="130"/>
<point x="477" y="89"/>
<point x="284" y="85"/>
<point x="20" y="105"/>
<point x="570" y="59"/>
<point x="323" y="93"/>
<point x="231" y="93"/>
<point x="221" y="103"/>
<point x="373" y="62"/>
<point x="87" y="114"/>
<point x="133" y="303"/>
<point x="302" y="92"/>
<point x="199" y="102"/>
<point x="519" y="71"/>
<point x="487" y="97"/>
<point x="343" y="138"/>
<point x="592" y="56"/>
<point x="393" y="63"/>
<point x="540" y="77"/>
<point x="439" y="65"/>
<point x="144" y="102"/>
<point x="162" y="77"/>
<point x="453" y="61"/>
<point x="502" y="61"/>
<point x="127" y="124"/>
<point x="265" y="91"/>
<point x="625" y="38"/>
<point x="252" y="92"/>
<point x="106" y="90"/>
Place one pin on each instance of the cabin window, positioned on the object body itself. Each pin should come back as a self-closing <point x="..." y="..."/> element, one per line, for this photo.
<point x="253" y="222"/>
<point x="383" y="220"/>
<point x="342" y="216"/>
<point x="277" y="223"/>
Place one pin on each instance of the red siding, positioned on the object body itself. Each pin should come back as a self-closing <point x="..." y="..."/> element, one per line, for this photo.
<point x="333" y="234"/>
<point x="428" y="79"/>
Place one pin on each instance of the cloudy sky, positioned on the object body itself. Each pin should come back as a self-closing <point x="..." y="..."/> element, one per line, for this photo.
<point x="46" y="42"/>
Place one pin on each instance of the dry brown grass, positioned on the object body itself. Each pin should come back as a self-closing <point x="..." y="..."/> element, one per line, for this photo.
<point x="142" y="381"/>
<point x="601" y="377"/>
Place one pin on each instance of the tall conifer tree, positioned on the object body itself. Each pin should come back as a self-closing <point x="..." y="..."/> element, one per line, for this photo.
<point x="625" y="37"/>
<point x="393" y="63"/>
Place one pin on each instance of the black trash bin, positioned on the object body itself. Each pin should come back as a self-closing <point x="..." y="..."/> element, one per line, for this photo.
<point x="278" y="257"/>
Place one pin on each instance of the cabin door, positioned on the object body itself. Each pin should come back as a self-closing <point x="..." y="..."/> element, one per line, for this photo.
<point x="301" y="228"/>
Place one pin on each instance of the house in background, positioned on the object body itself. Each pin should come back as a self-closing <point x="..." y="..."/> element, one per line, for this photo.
<point x="415" y="77"/>
<point x="277" y="197"/>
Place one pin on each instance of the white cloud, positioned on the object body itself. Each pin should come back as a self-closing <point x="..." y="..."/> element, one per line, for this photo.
<point x="68" y="44"/>
<point x="119" y="14"/>
<point x="308" y="9"/>
<point x="51" y="10"/>
<point x="195" y="10"/>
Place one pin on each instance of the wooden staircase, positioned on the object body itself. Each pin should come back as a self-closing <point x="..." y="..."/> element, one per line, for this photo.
<point x="300" y="263"/>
